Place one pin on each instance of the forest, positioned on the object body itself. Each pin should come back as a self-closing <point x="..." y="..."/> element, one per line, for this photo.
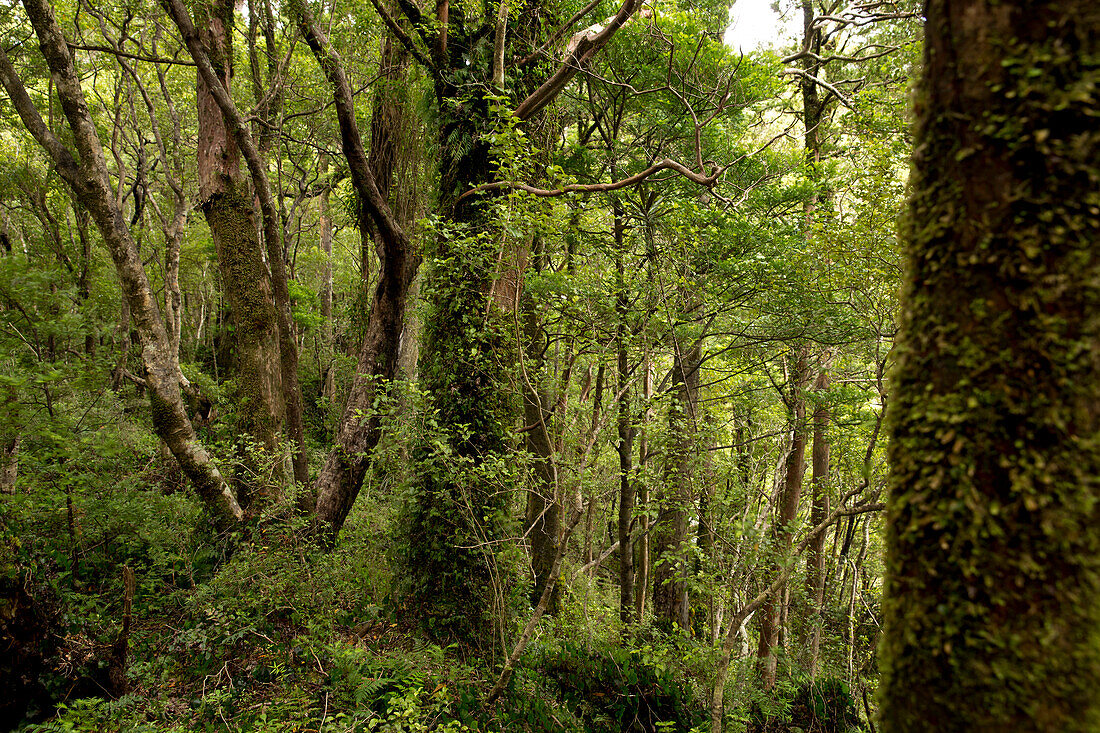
<point x="549" y="365"/>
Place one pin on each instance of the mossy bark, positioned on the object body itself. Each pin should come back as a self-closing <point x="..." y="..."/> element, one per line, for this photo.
<point x="461" y="495"/>
<point x="246" y="282"/>
<point x="992" y="599"/>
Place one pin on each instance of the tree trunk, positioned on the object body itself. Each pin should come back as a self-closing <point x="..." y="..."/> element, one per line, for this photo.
<point x="543" y="523"/>
<point x="627" y="611"/>
<point x="708" y="627"/>
<point x="992" y="596"/>
<point x="783" y="528"/>
<point x="819" y="509"/>
<point x="641" y="572"/>
<point x="328" y="355"/>
<point x="360" y="429"/>
<point x="670" y="593"/>
<point x="227" y="204"/>
<point x="9" y="464"/>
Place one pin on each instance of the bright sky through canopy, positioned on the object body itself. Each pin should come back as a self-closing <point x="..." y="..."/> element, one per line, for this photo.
<point x="754" y="24"/>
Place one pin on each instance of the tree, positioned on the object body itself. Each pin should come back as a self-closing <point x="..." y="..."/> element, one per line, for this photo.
<point x="87" y="176"/>
<point x="992" y="600"/>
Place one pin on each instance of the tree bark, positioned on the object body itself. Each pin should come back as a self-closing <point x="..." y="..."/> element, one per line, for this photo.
<point x="276" y="366"/>
<point x="342" y="475"/>
<point x="226" y="203"/>
<point x="992" y="595"/>
<point x="641" y="552"/>
<point x="625" y="449"/>
<point x="819" y="509"/>
<point x="782" y="531"/>
<point x="670" y="591"/>
<point x="543" y="523"/>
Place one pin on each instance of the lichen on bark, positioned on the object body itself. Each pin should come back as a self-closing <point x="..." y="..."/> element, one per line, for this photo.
<point x="992" y="600"/>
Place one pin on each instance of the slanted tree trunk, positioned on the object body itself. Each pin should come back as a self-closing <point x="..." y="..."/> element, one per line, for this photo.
<point x="992" y="595"/>
<point x="360" y="428"/>
<point x="90" y="183"/>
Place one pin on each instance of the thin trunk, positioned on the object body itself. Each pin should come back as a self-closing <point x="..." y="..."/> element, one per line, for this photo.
<point x="543" y="503"/>
<point x="328" y="356"/>
<point x="9" y="464"/>
<point x="705" y="536"/>
<point x="815" y="558"/>
<point x="122" y="363"/>
<point x="627" y="610"/>
<point x="782" y="531"/>
<point x="641" y="573"/>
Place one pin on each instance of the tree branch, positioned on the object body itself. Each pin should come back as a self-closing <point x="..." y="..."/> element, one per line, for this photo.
<point x="581" y="48"/>
<point x="820" y="82"/>
<point x="125" y="55"/>
<point x="397" y="31"/>
<point x="703" y="179"/>
<point x="350" y="138"/>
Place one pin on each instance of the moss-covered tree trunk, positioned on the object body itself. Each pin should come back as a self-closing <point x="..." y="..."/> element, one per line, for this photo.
<point x="992" y="601"/>
<point x="460" y="493"/>
<point x="227" y="204"/>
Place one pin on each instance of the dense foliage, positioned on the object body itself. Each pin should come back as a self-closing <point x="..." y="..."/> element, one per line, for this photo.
<point x="528" y="374"/>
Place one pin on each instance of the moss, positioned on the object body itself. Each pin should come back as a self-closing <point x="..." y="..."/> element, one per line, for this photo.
<point x="993" y="591"/>
<point x="257" y="394"/>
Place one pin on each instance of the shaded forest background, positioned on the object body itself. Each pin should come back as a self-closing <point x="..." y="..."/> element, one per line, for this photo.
<point x="381" y="366"/>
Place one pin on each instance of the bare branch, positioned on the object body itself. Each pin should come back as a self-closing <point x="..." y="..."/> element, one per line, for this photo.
<point x="125" y="55"/>
<point x="703" y="179"/>
<point x="820" y="82"/>
<point x="400" y="34"/>
<point x="556" y="36"/>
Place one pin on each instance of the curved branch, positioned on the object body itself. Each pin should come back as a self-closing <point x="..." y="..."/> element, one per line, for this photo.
<point x="350" y="138"/>
<point x="703" y="179"/>
<point x="820" y="82"/>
